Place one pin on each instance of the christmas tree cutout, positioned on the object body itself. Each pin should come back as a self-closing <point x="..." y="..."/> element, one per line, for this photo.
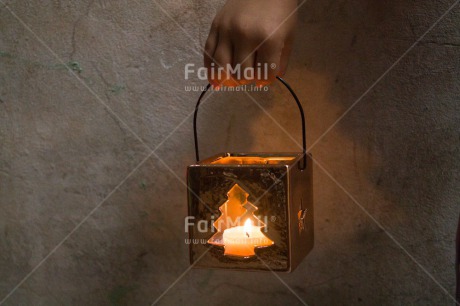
<point x="238" y="229"/>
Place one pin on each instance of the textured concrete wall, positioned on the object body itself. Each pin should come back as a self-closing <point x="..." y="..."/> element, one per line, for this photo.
<point x="70" y="142"/>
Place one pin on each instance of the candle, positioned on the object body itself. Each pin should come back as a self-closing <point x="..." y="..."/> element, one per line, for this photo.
<point x="241" y="240"/>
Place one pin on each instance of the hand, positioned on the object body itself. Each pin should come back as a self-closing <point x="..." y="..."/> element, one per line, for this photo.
<point x="255" y="34"/>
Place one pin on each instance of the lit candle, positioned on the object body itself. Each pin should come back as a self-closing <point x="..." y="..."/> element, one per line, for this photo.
<point x="241" y="240"/>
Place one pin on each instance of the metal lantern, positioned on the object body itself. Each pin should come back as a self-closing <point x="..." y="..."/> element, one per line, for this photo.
<point x="250" y="211"/>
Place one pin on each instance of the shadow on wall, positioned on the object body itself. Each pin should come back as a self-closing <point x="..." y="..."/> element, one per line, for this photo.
<point x="397" y="151"/>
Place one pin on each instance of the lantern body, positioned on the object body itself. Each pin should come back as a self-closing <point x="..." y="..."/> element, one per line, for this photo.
<point x="274" y="193"/>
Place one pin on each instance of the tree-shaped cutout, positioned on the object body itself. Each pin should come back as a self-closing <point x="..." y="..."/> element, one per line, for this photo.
<point x="238" y="229"/>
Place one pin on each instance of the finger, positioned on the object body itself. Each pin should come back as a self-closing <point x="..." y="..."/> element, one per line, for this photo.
<point x="267" y="62"/>
<point x="210" y="49"/>
<point x="222" y="61"/>
<point x="244" y="56"/>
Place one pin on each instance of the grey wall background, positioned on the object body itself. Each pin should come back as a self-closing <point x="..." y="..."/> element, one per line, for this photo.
<point x="68" y="145"/>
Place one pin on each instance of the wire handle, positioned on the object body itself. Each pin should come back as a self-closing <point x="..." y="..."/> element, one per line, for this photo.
<point x="302" y="116"/>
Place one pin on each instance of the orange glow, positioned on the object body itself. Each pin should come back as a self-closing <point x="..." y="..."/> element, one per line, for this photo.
<point x="242" y="240"/>
<point x="247" y="160"/>
<point x="239" y="240"/>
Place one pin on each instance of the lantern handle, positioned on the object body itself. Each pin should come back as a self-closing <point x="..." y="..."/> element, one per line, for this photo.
<point x="302" y="117"/>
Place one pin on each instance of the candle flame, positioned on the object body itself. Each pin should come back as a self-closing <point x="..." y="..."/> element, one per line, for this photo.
<point x="247" y="226"/>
